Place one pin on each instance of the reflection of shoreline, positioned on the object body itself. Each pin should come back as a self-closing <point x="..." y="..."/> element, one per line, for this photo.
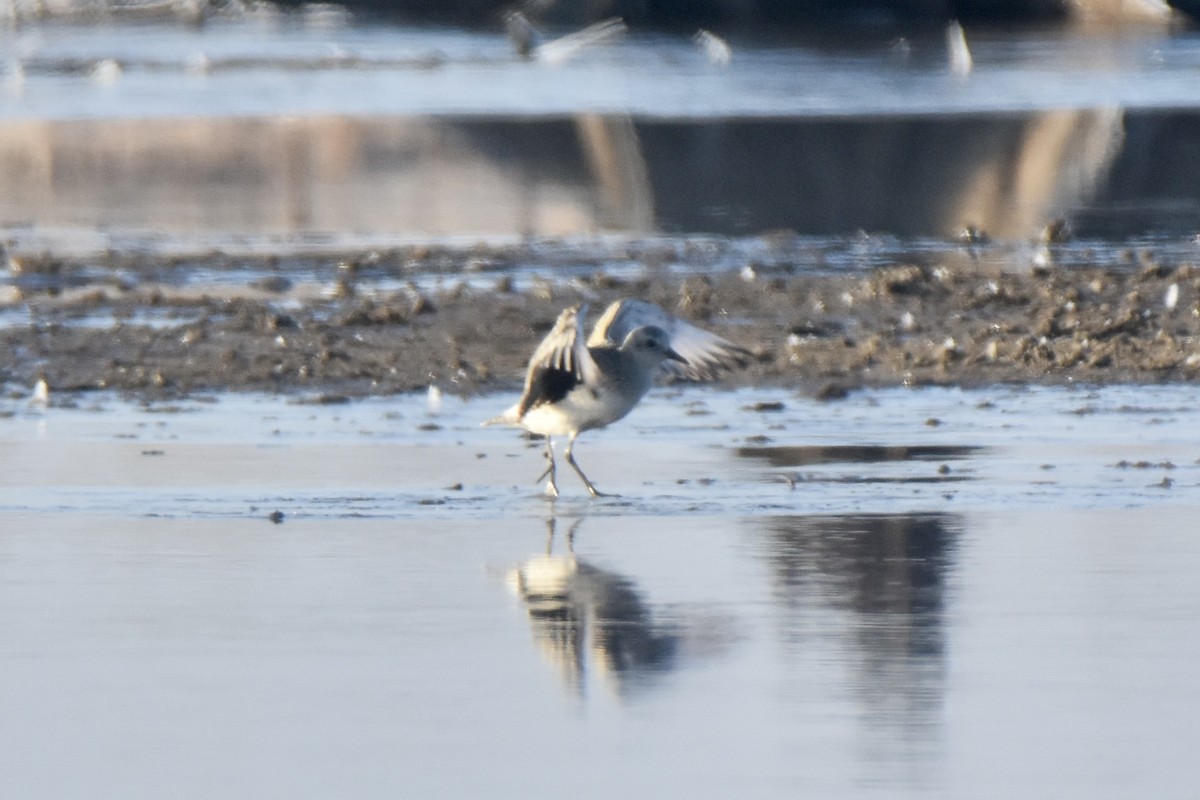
<point x="888" y="575"/>
<point x="588" y="621"/>
<point x="1006" y="174"/>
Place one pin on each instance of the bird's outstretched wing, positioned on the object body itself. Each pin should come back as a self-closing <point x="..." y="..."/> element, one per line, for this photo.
<point x="707" y="354"/>
<point x="560" y="362"/>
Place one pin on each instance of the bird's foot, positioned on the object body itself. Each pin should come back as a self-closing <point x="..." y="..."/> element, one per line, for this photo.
<point x="551" y="489"/>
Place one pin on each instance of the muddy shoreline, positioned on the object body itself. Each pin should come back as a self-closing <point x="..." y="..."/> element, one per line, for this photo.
<point x="136" y="330"/>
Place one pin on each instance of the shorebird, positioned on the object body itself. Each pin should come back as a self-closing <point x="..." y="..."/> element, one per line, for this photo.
<point x="572" y="386"/>
<point x="532" y="46"/>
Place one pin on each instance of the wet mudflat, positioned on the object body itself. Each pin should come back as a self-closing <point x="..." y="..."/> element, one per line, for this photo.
<point x="901" y="593"/>
<point x="465" y="318"/>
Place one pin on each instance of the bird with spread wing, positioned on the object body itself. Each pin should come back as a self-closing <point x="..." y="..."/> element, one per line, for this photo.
<point x="574" y="385"/>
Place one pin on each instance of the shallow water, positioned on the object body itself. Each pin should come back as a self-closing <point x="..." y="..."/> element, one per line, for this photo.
<point x="281" y="128"/>
<point x="843" y="599"/>
<point x="289" y="65"/>
<point x="745" y="453"/>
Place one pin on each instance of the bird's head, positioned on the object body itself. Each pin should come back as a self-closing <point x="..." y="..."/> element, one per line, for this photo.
<point x="652" y="344"/>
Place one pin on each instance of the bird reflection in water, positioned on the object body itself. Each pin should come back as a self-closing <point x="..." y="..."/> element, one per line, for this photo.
<point x="591" y="622"/>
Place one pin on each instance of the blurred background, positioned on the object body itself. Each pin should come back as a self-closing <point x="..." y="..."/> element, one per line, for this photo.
<point x="394" y="120"/>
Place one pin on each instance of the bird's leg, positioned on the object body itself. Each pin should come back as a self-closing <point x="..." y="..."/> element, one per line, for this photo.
<point x="571" y="460"/>
<point x="551" y="486"/>
<point x="549" y="464"/>
<point x="571" y="536"/>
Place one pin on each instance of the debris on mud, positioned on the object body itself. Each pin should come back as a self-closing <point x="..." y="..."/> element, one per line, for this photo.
<point x="135" y="329"/>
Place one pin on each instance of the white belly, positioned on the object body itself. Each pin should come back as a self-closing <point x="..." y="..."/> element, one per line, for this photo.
<point x="581" y="410"/>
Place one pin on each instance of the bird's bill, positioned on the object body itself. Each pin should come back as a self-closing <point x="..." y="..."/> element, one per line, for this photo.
<point x="671" y="354"/>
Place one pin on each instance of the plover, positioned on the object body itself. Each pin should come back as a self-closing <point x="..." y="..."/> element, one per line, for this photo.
<point x="572" y="386"/>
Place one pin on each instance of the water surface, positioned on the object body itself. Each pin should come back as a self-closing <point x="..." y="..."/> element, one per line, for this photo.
<point x="295" y="127"/>
<point x="870" y="628"/>
<point x="285" y="65"/>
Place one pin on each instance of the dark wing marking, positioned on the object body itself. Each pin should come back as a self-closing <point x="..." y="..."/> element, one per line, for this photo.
<point x="546" y="385"/>
<point x="707" y="354"/>
<point x="559" y="364"/>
